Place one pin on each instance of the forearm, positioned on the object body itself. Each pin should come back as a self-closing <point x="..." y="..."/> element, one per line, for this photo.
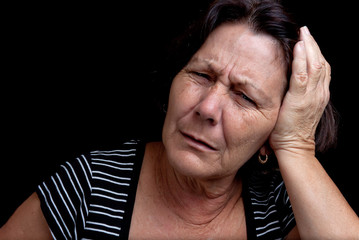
<point x="320" y="209"/>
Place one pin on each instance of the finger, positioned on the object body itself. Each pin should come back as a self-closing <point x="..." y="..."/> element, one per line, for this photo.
<point x="316" y="64"/>
<point x="328" y="74"/>
<point x="319" y="70"/>
<point x="327" y="81"/>
<point x="299" y="78"/>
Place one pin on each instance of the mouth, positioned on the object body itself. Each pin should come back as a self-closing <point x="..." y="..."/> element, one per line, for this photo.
<point x="198" y="142"/>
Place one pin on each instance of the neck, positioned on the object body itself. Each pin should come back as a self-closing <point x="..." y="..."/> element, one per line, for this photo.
<point x="196" y="201"/>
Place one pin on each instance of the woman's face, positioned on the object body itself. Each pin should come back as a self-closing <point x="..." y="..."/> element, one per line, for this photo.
<point x="224" y="104"/>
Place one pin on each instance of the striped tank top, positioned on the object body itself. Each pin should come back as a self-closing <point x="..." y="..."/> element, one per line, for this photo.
<point x="92" y="197"/>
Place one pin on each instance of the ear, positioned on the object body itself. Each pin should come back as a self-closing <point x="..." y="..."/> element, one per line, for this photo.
<point x="265" y="149"/>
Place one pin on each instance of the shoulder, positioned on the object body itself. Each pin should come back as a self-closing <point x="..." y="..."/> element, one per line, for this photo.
<point x="117" y="165"/>
<point x="125" y="149"/>
<point x="115" y="176"/>
<point x="120" y="156"/>
<point x="93" y="193"/>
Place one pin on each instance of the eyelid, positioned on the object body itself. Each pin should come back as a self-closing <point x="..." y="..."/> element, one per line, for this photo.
<point x="201" y="74"/>
<point x="248" y="99"/>
<point x="245" y="97"/>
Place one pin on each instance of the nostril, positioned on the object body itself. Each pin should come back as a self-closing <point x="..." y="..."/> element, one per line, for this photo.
<point x="209" y="119"/>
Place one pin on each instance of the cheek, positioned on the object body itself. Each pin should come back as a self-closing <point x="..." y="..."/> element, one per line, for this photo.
<point x="246" y="130"/>
<point x="184" y="96"/>
<point x="182" y="99"/>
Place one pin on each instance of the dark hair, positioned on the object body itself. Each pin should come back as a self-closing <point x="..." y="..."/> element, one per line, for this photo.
<point x="262" y="16"/>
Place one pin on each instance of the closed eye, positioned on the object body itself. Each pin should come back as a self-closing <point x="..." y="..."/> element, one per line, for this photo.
<point x="203" y="75"/>
<point x="245" y="97"/>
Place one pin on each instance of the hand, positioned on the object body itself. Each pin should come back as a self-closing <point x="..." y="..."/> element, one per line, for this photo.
<point x="306" y="99"/>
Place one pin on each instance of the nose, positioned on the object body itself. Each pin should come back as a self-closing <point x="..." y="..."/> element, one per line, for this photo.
<point x="209" y="109"/>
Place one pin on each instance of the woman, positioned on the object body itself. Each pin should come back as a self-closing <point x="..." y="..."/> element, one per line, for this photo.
<point x="238" y="95"/>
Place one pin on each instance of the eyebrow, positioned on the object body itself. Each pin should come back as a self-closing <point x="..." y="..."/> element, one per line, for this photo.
<point x="245" y="80"/>
<point x="238" y="79"/>
<point x="204" y="62"/>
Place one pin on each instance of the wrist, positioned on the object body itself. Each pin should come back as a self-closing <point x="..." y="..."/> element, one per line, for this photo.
<point x="294" y="161"/>
<point x="295" y="151"/>
<point x="296" y="146"/>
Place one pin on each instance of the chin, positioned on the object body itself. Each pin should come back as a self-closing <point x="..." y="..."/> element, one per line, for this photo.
<point x="191" y="163"/>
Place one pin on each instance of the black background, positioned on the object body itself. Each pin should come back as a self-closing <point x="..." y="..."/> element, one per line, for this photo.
<point x="76" y="77"/>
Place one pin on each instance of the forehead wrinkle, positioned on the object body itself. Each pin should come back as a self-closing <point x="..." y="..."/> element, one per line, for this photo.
<point x="241" y="79"/>
<point x="236" y="79"/>
<point x="234" y="76"/>
<point x="210" y="63"/>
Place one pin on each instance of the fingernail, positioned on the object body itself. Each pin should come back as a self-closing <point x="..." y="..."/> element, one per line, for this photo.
<point x="306" y="30"/>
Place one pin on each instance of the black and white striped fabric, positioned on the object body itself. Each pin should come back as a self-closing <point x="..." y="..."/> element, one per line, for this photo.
<point x="93" y="197"/>
<point x="268" y="210"/>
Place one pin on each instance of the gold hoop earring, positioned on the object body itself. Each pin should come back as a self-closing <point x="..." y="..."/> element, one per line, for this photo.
<point x="262" y="161"/>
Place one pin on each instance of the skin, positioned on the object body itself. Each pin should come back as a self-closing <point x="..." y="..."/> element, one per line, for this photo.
<point x="27" y="222"/>
<point x="214" y="91"/>
<point x="230" y="97"/>
<point x="230" y="94"/>
<point x="320" y="210"/>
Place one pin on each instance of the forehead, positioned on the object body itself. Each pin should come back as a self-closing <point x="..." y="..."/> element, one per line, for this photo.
<point x="235" y="48"/>
<point x="239" y="38"/>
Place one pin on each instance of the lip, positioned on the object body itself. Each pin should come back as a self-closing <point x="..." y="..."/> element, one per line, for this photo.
<point x="198" y="143"/>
